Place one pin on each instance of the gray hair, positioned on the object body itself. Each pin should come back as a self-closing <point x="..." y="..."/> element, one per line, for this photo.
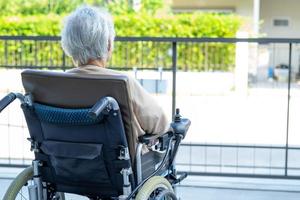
<point x="88" y="33"/>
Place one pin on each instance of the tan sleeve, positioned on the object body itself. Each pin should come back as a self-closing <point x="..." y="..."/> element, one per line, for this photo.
<point x="149" y="114"/>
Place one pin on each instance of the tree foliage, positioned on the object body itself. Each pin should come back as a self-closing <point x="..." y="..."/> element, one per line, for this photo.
<point x="44" y="17"/>
<point x="37" y="7"/>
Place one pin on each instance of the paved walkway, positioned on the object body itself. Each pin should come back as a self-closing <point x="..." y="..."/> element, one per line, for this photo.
<point x="210" y="188"/>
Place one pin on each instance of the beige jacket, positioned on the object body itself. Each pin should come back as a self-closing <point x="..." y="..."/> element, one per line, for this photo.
<point x="148" y="115"/>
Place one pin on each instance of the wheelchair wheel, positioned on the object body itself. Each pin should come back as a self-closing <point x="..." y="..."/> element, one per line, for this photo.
<point x="18" y="190"/>
<point x="156" y="188"/>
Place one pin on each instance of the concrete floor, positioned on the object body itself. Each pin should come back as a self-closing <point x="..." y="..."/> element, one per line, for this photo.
<point x="210" y="188"/>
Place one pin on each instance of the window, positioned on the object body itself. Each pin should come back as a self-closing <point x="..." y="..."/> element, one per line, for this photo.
<point x="281" y="22"/>
<point x="209" y="10"/>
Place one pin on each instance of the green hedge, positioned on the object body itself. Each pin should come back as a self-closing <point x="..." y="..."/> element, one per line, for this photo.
<point x="30" y="25"/>
<point x="140" y="24"/>
<point x="191" y="56"/>
<point x="181" y="25"/>
<point x="38" y="7"/>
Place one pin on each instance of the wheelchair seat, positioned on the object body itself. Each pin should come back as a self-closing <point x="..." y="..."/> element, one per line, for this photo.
<point x="81" y="135"/>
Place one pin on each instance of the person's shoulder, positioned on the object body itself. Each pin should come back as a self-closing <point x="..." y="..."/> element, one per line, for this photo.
<point x="111" y="71"/>
<point x="93" y="69"/>
<point x="73" y="70"/>
<point x="132" y="81"/>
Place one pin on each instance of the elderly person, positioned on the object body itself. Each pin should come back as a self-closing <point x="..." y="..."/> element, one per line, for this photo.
<point x="88" y="36"/>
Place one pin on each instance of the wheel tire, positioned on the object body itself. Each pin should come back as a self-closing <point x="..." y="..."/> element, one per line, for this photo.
<point x="61" y="195"/>
<point x="18" y="183"/>
<point x="151" y="185"/>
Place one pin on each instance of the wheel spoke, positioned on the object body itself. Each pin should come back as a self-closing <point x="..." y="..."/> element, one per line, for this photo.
<point x="22" y="196"/>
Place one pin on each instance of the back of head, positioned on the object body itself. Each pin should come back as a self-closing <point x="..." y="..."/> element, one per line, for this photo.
<point x="88" y="34"/>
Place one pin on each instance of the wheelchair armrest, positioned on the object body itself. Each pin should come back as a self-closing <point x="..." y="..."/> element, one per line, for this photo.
<point x="148" y="139"/>
<point x="153" y="139"/>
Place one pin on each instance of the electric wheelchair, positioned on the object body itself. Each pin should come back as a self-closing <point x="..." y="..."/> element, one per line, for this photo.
<point x="81" y="135"/>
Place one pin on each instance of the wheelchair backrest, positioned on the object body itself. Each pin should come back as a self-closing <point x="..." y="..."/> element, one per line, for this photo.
<point x="80" y="154"/>
<point x="80" y="91"/>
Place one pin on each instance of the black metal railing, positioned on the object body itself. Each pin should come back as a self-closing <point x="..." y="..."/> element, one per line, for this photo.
<point x="258" y="161"/>
<point x="173" y="55"/>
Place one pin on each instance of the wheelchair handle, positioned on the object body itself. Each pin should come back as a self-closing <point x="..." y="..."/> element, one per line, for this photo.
<point x="107" y="103"/>
<point x="98" y="108"/>
<point x="7" y="100"/>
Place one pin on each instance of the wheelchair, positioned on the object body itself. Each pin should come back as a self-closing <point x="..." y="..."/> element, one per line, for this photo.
<point x="81" y="135"/>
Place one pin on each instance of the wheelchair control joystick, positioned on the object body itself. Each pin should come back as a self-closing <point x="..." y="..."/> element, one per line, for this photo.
<point x="177" y="117"/>
<point x="180" y="125"/>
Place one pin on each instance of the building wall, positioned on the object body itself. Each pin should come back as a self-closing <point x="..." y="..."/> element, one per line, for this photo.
<point x="289" y="9"/>
<point x="278" y="9"/>
<point x="242" y="7"/>
<point x="269" y="10"/>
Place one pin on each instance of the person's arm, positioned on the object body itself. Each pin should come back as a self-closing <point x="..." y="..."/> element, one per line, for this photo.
<point x="150" y="115"/>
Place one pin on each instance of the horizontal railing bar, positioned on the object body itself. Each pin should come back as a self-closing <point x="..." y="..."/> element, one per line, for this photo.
<point x="70" y="67"/>
<point x="236" y="188"/>
<point x="238" y="146"/>
<point x="34" y="67"/>
<point x="166" y="39"/>
<point x="205" y="144"/>
<point x="236" y="166"/>
<point x="15" y="159"/>
<point x="35" y="38"/>
<point x="222" y="40"/>
<point x="241" y="175"/>
<point x="188" y="164"/>
<point x="182" y="164"/>
<point x="13" y="125"/>
<point x="14" y="165"/>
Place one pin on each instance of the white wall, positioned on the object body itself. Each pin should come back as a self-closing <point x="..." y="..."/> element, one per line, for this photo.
<point x="278" y="9"/>
<point x="243" y="7"/>
<point x="271" y="9"/>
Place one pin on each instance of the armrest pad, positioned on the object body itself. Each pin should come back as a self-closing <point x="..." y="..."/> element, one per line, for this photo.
<point x="150" y="139"/>
<point x="159" y="141"/>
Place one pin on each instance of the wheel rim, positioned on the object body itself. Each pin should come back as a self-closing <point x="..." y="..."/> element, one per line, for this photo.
<point x="157" y="193"/>
<point x="18" y="188"/>
<point x="165" y="194"/>
<point x="153" y="188"/>
<point x="23" y="194"/>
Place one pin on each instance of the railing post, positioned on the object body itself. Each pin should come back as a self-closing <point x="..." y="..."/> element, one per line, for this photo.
<point x="6" y="52"/>
<point x="288" y="112"/>
<point x="174" y="70"/>
<point x="64" y="61"/>
<point x="35" y="53"/>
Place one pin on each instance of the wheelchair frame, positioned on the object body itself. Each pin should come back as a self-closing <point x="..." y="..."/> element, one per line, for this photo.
<point x="168" y="142"/>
